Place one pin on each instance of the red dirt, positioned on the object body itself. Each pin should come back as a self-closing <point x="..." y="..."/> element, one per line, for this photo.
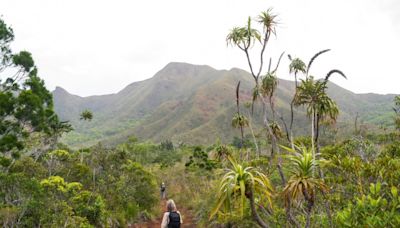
<point x="186" y="217"/>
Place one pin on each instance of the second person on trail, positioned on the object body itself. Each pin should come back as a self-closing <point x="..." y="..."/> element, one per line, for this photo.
<point x="172" y="218"/>
<point x="162" y="190"/>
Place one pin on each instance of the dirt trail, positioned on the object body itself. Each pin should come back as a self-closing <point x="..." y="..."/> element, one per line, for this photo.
<point x="187" y="217"/>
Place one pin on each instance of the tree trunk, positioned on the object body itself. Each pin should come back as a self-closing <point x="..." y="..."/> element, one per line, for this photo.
<point x="317" y="132"/>
<point x="310" y="204"/>
<point x="355" y="125"/>
<point x="312" y="137"/>
<point x="254" y="138"/>
<point x="308" y="211"/>
<point x="291" y="218"/>
<point x="94" y="178"/>
<point x="328" y="210"/>
<point x="292" y="112"/>
<point x="326" y="202"/>
<point x="274" y="146"/>
<point x="291" y="125"/>
<point x="242" y="135"/>
<point x="254" y="213"/>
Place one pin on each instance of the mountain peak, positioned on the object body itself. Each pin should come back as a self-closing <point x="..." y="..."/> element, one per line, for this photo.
<point x="182" y="68"/>
<point x="60" y="90"/>
<point x="183" y="65"/>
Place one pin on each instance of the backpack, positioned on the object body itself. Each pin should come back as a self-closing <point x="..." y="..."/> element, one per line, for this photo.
<point x="174" y="220"/>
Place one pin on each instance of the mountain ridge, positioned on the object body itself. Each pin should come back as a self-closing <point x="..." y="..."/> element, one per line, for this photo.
<point x="190" y="103"/>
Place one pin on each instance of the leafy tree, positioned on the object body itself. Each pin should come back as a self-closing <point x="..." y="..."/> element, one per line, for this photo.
<point x="167" y="145"/>
<point x="372" y="210"/>
<point x="26" y="104"/>
<point x="167" y="155"/>
<point x="72" y="206"/>
<point x="239" y="143"/>
<point x="200" y="159"/>
<point x="19" y="199"/>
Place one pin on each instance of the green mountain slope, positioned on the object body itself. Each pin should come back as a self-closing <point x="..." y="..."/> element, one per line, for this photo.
<point x="192" y="104"/>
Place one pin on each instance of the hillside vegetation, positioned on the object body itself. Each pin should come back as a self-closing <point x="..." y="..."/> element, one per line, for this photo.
<point x="193" y="104"/>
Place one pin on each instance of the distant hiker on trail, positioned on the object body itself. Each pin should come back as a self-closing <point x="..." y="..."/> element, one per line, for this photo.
<point x="162" y="190"/>
<point x="172" y="218"/>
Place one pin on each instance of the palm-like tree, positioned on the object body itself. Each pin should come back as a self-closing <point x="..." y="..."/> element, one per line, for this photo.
<point x="319" y="105"/>
<point x="268" y="87"/>
<point x="243" y="37"/>
<point x="296" y="66"/>
<point x="86" y="115"/>
<point x="268" y="20"/>
<point x="302" y="185"/>
<point x="312" y="93"/>
<point x="241" y="183"/>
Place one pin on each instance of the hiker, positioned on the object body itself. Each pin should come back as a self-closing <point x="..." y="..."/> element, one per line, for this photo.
<point x="172" y="218"/>
<point x="162" y="190"/>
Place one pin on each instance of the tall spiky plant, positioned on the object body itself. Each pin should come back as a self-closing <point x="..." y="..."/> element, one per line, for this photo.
<point x="302" y="185"/>
<point x="241" y="183"/>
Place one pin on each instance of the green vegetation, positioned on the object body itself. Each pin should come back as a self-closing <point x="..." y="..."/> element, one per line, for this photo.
<point x="289" y="166"/>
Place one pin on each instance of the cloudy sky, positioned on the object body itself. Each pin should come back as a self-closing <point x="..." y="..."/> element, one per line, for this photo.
<point x="99" y="46"/>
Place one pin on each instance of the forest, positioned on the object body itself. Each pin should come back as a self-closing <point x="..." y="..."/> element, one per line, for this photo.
<point x="266" y="176"/>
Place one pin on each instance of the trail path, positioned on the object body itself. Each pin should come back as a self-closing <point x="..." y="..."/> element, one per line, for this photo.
<point x="186" y="216"/>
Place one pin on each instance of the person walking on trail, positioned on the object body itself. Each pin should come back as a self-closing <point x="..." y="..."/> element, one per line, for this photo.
<point x="162" y="190"/>
<point x="172" y="218"/>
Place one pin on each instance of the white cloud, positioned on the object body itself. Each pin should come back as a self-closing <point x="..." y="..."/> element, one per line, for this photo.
<point x="96" y="47"/>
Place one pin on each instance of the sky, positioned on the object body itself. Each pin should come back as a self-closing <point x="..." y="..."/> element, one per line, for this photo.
<point x="92" y="47"/>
